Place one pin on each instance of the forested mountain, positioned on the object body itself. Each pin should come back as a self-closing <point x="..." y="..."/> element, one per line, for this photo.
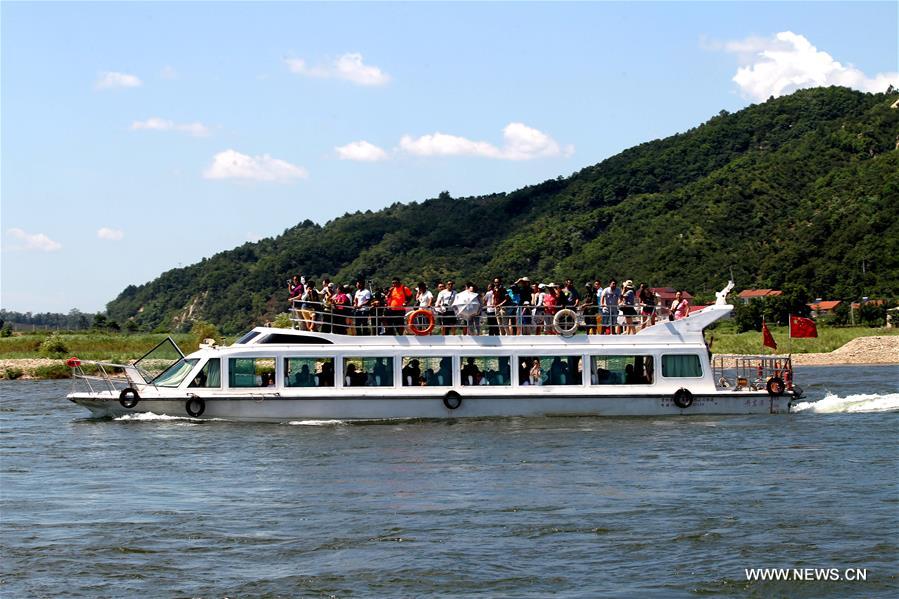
<point x="801" y="190"/>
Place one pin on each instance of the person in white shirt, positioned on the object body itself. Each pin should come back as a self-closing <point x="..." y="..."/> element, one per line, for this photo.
<point x="362" y="309"/>
<point x="423" y="297"/>
<point x="446" y="317"/>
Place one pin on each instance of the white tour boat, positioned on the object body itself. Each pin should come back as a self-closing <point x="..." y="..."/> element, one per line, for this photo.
<point x="280" y="375"/>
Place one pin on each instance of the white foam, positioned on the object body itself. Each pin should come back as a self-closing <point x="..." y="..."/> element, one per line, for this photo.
<point x="316" y="422"/>
<point x="851" y="404"/>
<point x="150" y="417"/>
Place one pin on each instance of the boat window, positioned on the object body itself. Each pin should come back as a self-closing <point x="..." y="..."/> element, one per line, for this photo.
<point x="308" y="372"/>
<point x="210" y="375"/>
<point x="368" y="372"/>
<point x="175" y="373"/>
<point x="550" y="370"/>
<point x="486" y="370"/>
<point x="681" y="366"/>
<point x="621" y="370"/>
<point x="251" y="372"/>
<point x="427" y="371"/>
<point x="247" y="337"/>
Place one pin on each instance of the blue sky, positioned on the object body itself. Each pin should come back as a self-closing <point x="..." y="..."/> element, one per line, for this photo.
<point x="137" y="137"/>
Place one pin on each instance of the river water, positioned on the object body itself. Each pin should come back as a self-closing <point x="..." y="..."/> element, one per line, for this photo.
<point x="568" y="507"/>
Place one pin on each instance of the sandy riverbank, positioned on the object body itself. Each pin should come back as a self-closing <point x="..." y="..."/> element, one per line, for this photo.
<point x="862" y="350"/>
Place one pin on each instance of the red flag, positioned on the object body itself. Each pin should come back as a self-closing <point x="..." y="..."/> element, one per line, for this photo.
<point x="802" y="327"/>
<point x="767" y="337"/>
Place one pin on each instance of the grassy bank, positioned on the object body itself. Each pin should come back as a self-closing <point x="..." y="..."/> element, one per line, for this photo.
<point x="90" y="346"/>
<point x="728" y="341"/>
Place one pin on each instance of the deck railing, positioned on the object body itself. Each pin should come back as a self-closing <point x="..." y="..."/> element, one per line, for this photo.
<point x="508" y="320"/>
<point x="751" y="372"/>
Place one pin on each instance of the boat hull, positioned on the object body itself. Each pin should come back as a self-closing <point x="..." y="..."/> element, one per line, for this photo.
<point x="472" y="406"/>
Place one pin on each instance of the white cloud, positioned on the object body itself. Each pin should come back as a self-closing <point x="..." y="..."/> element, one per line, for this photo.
<point x="348" y="67"/>
<point x="788" y="61"/>
<point x="521" y="143"/>
<point x="168" y="72"/>
<point x="111" y="80"/>
<point x="158" y="124"/>
<point x="110" y="234"/>
<point x="231" y="164"/>
<point x="33" y="241"/>
<point x="361" y="151"/>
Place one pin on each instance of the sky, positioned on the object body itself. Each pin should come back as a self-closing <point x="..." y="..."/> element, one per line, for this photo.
<point x="139" y="137"/>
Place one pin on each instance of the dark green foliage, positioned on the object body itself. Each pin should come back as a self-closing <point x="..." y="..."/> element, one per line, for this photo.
<point x="801" y="190"/>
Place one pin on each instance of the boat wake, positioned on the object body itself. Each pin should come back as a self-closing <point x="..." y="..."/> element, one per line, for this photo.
<point x="151" y="417"/>
<point x="851" y="404"/>
<point x="316" y="422"/>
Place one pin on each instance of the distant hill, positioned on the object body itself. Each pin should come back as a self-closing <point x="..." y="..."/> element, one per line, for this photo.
<point x="800" y="190"/>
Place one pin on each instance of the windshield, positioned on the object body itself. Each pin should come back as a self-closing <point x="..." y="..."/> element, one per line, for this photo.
<point x="175" y="373"/>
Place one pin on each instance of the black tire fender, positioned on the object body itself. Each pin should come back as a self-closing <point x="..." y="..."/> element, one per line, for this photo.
<point x="129" y="397"/>
<point x="452" y="400"/>
<point x="776" y="386"/>
<point x="683" y="398"/>
<point x="195" y="406"/>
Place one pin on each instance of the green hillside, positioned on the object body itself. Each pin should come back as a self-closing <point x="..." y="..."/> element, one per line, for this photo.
<point x="801" y="190"/>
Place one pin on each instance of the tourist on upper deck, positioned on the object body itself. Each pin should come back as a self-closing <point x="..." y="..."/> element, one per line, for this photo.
<point x="446" y="317"/>
<point x="588" y="306"/>
<point x="504" y="314"/>
<point x="680" y="307"/>
<point x="467" y="307"/>
<point x="341" y="305"/>
<point x="362" y="309"/>
<point x="522" y="302"/>
<point x="628" y="304"/>
<point x="537" y="296"/>
<point x="572" y="297"/>
<point x="551" y="302"/>
<point x="490" y="311"/>
<point x="608" y="304"/>
<point x="648" y="303"/>
<point x="398" y="297"/>
<point x="295" y="288"/>
<point x="423" y="296"/>
<point x="310" y="306"/>
<point x="501" y="303"/>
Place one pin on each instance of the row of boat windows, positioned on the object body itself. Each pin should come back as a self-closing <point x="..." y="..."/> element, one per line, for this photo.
<point x="417" y="371"/>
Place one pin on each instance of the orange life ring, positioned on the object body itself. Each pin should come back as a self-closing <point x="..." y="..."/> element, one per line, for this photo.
<point x="73" y="362"/>
<point x="412" y="325"/>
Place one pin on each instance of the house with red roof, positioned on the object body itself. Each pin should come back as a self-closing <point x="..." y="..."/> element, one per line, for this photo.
<point x="822" y="307"/>
<point x="747" y="295"/>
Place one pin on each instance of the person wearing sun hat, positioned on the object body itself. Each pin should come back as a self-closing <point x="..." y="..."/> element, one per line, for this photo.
<point x="628" y="303"/>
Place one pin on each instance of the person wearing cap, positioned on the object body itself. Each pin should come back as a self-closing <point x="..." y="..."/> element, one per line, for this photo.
<point x="628" y="304"/>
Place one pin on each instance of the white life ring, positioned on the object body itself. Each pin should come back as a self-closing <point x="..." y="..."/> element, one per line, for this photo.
<point x="565" y="322"/>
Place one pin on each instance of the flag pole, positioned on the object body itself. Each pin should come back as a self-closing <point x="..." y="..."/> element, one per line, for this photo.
<point x="790" y="333"/>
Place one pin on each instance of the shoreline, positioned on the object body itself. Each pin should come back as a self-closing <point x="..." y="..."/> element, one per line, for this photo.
<point x="876" y="350"/>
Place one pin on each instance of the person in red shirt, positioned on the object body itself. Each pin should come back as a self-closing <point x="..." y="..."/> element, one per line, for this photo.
<point x="398" y="298"/>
